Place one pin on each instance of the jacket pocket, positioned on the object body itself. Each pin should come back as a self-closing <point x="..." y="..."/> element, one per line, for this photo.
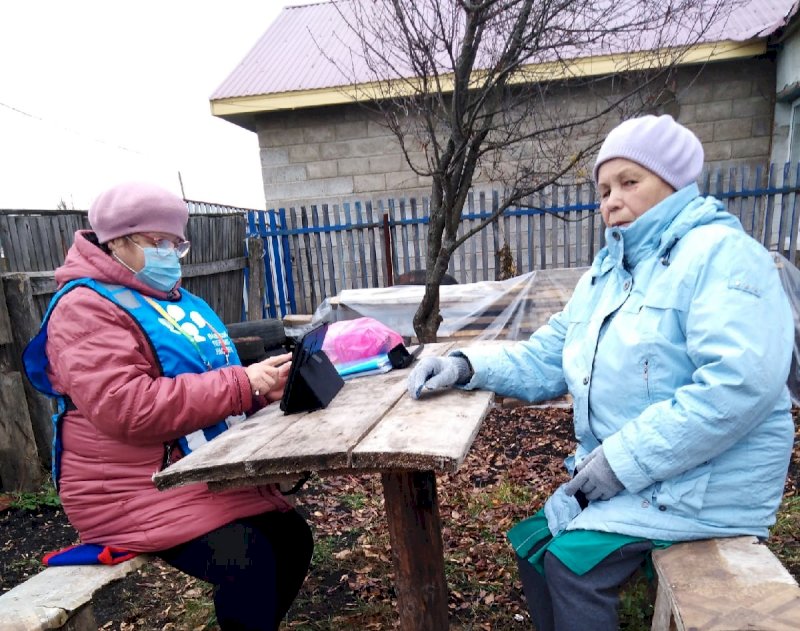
<point x="684" y="494"/>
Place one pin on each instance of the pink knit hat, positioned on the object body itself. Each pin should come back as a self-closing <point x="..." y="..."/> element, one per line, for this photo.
<point x="659" y="144"/>
<point x="137" y="207"/>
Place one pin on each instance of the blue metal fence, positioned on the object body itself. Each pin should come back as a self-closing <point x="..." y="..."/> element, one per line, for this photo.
<point x="314" y="251"/>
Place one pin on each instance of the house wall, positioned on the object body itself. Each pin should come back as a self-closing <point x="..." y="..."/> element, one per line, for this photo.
<point x="788" y="88"/>
<point x="343" y="151"/>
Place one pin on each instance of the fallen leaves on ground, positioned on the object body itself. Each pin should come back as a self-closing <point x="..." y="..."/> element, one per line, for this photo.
<point x="515" y="463"/>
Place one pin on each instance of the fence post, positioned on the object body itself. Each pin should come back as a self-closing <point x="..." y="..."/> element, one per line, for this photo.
<point x="255" y="291"/>
<point x="387" y="248"/>
<point x="283" y="261"/>
<point x="25" y="324"/>
<point x="20" y="469"/>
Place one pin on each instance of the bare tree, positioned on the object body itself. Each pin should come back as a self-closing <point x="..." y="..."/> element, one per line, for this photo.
<point x="487" y="89"/>
<point x="62" y="205"/>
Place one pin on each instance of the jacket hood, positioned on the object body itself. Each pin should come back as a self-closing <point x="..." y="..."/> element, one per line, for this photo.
<point x="660" y="228"/>
<point x="86" y="259"/>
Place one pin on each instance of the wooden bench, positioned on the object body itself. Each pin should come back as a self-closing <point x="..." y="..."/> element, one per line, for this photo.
<point x="61" y="597"/>
<point x="724" y="585"/>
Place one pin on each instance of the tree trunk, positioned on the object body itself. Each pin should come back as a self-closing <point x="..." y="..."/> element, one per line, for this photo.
<point x="427" y="318"/>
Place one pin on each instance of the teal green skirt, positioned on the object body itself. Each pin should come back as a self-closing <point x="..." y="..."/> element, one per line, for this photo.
<point x="579" y="550"/>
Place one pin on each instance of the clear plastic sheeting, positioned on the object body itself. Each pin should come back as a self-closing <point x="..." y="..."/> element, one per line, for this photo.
<point x="505" y="310"/>
<point x="488" y="310"/>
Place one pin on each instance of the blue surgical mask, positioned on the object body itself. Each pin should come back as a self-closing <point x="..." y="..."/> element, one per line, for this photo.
<point x="162" y="270"/>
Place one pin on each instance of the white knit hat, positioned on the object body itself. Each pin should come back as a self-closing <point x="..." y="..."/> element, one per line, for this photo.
<point x="657" y="143"/>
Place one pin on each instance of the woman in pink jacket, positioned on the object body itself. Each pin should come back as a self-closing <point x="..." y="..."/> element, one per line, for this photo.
<point x="145" y="371"/>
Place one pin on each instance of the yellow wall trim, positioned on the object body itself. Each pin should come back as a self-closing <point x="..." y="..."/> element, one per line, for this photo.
<point x="590" y="66"/>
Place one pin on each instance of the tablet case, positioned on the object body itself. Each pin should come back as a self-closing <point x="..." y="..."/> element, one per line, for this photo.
<point x="313" y="381"/>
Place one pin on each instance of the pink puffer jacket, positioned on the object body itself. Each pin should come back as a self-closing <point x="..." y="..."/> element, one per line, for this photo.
<point x="114" y="441"/>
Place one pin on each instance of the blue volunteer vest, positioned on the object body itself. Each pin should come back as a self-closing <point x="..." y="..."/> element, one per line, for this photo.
<point x="200" y="345"/>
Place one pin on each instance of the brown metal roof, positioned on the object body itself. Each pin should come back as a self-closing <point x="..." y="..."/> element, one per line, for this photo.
<point x="287" y="63"/>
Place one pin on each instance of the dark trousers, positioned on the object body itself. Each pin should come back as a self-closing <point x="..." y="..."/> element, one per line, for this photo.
<point x="256" y="564"/>
<point x="564" y="601"/>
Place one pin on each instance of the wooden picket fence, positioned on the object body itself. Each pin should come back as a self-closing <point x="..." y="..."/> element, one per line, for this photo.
<point x="314" y="251"/>
<point x="292" y="260"/>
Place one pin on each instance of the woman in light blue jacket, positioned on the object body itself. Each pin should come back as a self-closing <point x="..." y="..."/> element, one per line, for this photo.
<point x="675" y="347"/>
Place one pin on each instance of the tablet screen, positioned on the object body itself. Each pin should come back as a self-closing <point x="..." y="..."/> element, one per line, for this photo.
<point x="310" y="343"/>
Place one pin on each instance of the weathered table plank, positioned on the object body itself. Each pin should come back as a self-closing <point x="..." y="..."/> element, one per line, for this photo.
<point x="273" y="443"/>
<point x="433" y="433"/>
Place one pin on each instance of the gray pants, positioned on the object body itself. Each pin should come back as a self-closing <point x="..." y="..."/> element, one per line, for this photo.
<point x="564" y="601"/>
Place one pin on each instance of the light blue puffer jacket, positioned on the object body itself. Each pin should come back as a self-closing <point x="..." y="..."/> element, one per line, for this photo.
<point x="676" y="347"/>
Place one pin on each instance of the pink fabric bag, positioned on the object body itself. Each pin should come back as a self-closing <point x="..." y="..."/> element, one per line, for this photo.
<point x="351" y="340"/>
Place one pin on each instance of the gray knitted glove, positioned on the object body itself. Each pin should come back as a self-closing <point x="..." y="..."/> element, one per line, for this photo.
<point x="438" y="373"/>
<point x="595" y="478"/>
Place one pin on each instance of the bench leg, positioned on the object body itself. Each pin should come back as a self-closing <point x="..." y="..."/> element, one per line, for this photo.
<point x="662" y="612"/>
<point x="412" y="510"/>
<point x="81" y="620"/>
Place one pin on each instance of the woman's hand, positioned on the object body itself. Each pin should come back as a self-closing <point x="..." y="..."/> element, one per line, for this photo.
<point x="268" y="377"/>
<point x="595" y="478"/>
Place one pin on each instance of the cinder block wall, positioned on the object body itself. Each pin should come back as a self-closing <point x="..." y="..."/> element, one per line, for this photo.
<point x="343" y="151"/>
<point x="730" y="107"/>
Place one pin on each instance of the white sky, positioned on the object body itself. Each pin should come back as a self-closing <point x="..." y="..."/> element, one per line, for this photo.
<point x="95" y="92"/>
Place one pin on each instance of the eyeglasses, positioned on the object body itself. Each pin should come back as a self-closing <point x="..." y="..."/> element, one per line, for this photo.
<point x="164" y="246"/>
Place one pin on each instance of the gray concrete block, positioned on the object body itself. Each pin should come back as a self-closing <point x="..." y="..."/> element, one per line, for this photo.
<point x="374" y="146"/>
<point x="714" y="111"/>
<point x="386" y="164"/>
<point x="283" y="194"/>
<point x="704" y="131"/>
<point x="280" y="174"/>
<point x="716" y="151"/>
<point x="354" y="112"/>
<point x="358" y="148"/>
<point x="687" y="114"/>
<point x="321" y="169"/>
<point x="751" y="148"/>
<point x="369" y="183"/>
<point x="732" y="89"/>
<point x="287" y="192"/>
<point x="734" y="129"/>
<point x="695" y="93"/>
<point x="336" y="150"/>
<point x="320" y="116"/>
<point x="377" y="128"/>
<point x="353" y="166"/>
<point x="762" y="126"/>
<point x="280" y="137"/>
<point x="337" y="186"/>
<point x="752" y="106"/>
<point x="401" y="181"/>
<point x="418" y="159"/>
<point x="319" y="133"/>
<point x="425" y="182"/>
<point x="304" y="153"/>
<point x="274" y="156"/>
<point x="271" y="121"/>
<point x="351" y="129"/>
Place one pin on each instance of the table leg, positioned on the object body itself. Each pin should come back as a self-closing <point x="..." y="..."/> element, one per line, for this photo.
<point x="412" y="510"/>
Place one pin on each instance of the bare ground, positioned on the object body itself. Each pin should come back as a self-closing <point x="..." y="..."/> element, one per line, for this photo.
<point x="514" y="465"/>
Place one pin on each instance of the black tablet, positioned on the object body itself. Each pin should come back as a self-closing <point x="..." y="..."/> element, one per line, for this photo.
<point x="312" y="380"/>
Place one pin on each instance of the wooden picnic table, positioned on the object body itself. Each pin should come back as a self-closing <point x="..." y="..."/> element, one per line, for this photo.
<point x="371" y="426"/>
